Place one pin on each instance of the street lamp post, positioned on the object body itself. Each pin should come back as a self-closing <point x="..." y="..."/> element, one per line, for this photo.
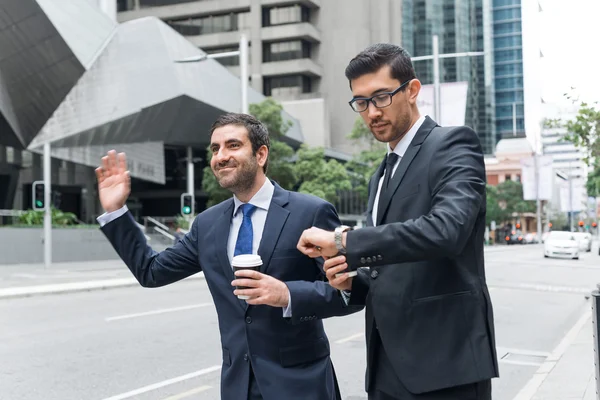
<point x="242" y="52"/>
<point x="436" y="56"/>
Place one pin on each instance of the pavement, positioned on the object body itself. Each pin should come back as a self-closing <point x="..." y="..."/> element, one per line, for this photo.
<point x="566" y="373"/>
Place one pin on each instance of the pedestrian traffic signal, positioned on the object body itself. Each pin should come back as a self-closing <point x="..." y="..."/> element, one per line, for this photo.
<point x="38" y="189"/>
<point x="594" y="224"/>
<point x="187" y="204"/>
<point x="581" y="223"/>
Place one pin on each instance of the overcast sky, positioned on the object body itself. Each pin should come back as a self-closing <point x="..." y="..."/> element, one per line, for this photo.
<point x="570" y="42"/>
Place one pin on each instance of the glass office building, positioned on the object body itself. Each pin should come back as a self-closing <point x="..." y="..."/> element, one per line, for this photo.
<point x="508" y="67"/>
<point x="460" y="26"/>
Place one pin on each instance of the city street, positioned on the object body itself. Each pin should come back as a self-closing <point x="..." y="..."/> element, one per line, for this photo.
<point x="163" y="344"/>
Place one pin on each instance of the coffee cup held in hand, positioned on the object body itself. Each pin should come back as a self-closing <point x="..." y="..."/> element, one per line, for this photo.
<point x="246" y="261"/>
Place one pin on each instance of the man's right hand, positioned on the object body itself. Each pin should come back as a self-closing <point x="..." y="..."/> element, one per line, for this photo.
<point x="114" y="183"/>
<point x="337" y="265"/>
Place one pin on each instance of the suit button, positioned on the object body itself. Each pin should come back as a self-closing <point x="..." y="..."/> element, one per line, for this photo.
<point x="245" y="357"/>
<point x="369" y="260"/>
<point x="362" y="260"/>
<point x="374" y="274"/>
<point x="379" y="258"/>
<point x="248" y="320"/>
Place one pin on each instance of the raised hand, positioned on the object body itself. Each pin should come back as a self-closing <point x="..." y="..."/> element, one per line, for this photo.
<point x="114" y="183"/>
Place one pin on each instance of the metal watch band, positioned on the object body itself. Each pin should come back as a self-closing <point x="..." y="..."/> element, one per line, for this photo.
<point x="338" y="238"/>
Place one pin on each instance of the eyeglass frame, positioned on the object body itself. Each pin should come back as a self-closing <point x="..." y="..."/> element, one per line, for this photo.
<point x="370" y="99"/>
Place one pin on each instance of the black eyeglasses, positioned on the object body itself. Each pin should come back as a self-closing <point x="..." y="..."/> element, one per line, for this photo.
<point x="380" y="100"/>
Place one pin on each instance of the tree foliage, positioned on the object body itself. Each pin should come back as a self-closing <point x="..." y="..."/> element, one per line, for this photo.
<point x="584" y="132"/>
<point x="320" y="177"/>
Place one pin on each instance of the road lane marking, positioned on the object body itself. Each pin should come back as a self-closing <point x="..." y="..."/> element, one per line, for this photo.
<point x="162" y="384"/>
<point x="156" y="312"/>
<point x="522" y="363"/>
<point x="509" y="350"/>
<point x="351" y="337"/>
<point x="532" y="386"/>
<point x="542" y="288"/>
<point x="189" y="393"/>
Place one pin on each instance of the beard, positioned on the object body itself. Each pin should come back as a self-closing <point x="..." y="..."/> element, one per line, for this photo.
<point x="240" y="179"/>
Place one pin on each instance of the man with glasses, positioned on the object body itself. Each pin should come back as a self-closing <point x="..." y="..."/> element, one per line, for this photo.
<point x="429" y="319"/>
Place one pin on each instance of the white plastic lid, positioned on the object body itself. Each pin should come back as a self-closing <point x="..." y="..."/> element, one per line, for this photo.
<point x="247" y="260"/>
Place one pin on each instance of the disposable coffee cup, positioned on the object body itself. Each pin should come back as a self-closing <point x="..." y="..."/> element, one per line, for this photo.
<point x="246" y="261"/>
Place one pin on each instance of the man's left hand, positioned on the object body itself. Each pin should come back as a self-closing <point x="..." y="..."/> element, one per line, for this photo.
<point x="262" y="289"/>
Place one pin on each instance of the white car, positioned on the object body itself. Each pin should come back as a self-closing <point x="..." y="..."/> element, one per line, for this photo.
<point x="561" y="244"/>
<point x="585" y="240"/>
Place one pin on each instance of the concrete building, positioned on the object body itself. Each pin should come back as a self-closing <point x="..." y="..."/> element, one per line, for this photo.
<point x="299" y="49"/>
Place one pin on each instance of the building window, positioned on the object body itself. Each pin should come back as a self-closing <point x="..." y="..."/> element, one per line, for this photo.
<point x="125" y="5"/>
<point x="286" y="85"/>
<point x="285" y="15"/>
<point x="158" y="3"/>
<point x="283" y="51"/>
<point x="507" y="177"/>
<point x="209" y="24"/>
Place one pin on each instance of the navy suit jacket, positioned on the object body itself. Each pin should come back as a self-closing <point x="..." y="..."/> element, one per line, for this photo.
<point x="289" y="356"/>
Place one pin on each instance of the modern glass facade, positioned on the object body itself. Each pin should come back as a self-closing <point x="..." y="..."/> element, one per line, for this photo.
<point x="459" y="25"/>
<point x="508" y="67"/>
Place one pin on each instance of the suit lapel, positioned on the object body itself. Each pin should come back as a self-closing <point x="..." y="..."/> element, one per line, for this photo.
<point x="373" y="191"/>
<point x="386" y="198"/>
<point x="276" y="219"/>
<point x="223" y="226"/>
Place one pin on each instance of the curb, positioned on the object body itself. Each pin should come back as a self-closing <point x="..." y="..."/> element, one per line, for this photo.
<point x="73" y="287"/>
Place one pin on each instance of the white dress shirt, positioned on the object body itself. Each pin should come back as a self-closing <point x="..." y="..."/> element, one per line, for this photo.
<point x="262" y="201"/>
<point x="400" y="149"/>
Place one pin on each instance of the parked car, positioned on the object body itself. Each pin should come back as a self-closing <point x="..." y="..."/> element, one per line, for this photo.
<point x="585" y="240"/>
<point x="515" y="237"/>
<point x="561" y="244"/>
<point x="531" y="238"/>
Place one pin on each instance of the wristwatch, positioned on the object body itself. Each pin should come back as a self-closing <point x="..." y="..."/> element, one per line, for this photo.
<point x="338" y="237"/>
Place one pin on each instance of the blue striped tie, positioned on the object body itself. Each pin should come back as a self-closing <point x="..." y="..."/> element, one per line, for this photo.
<point x="243" y="245"/>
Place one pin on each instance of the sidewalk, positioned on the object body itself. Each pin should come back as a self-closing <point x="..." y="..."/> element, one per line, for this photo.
<point x="24" y="280"/>
<point x="568" y="373"/>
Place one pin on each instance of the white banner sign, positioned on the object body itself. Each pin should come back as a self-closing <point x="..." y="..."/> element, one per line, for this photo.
<point x="544" y="173"/>
<point x="453" y="102"/>
<point x="572" y="191"/>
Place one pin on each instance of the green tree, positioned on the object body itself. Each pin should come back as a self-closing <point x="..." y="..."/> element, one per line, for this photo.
<point x="280" y="169"/>
<point x="319" y="177"/>
<point x="494" y="211"/>
<point x="584" y="132"/>
<point x="510" y="199"/>
<point x="364" y="164"/>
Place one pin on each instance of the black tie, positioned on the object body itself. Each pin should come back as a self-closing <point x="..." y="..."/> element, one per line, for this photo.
<point x="390" y="162"/>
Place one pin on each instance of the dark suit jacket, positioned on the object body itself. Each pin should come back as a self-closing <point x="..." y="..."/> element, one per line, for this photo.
<point x="290" y="357"/>
<point x="426" y="290"/>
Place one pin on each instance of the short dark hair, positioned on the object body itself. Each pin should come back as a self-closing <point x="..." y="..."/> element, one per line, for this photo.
<point x="374" y="57"/>
<point x="257" y="131"/>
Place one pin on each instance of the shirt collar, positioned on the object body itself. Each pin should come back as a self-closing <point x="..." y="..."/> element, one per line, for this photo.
<point x="403" y="144"/>
<point x="261" y="199"/>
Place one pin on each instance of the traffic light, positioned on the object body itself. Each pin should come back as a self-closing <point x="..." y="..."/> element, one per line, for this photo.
<point x="187" y="204"/>
<point x="549" y="224"/>
<point x="594" y="224"/>
<point x="37" y="195"/>
<point x="518" y="226"/>
<point x="581" y="224"/>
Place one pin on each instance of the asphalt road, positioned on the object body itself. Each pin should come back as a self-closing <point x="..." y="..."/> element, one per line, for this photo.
<point x="163" y="344"/>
